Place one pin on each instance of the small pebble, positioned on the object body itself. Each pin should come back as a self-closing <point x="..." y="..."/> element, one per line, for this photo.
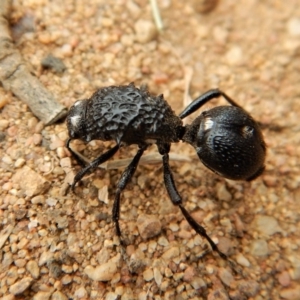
<point x="171" y="253"/>
<point x="145" y="31"/>
<point x="259" y="248"/>
<point x="20" y="263"/>
<point x="162" y="241"/>
<point x="204" y="6"/>
<point x="148" y="226"/>
<point x="67" y="279"/>
<point x="225" y="276"/>
<point x="20" y="286"/>
<point x="54" y="63"/>
<point x="19" y="162"/>
<point x="111" y="296"/>
<point x="134" y="9"/>
<point x="223" y="194"/>
<point x="291" y="293"/>
<point x="225" y="245"/>
<point x="234" y="56"/>
<point x="4" y="234"/>
<point x="37" y="139"/>
<point x="197" y="283"/>
<point x="218" y="294"/>
<point x="3" y="124"/>
<point x="148" y="274"/>
<point x="7" y="160"/>
<point x="81" y="293"/>
<point x="157" y="276"/>
<point x="242" y="260"/>
<point x="39" y="199"/>
<point x="270" y="180"/>
<point x="45" y="257"/>
<point x="104" y="272"/>
<point x="31" y="182"/>
<point x="295" y="261"/>
<point x="220" y="34"/>
<point x="42" y="295"/>
<point x="58" y="295"/>
<point x="103" y="194"/>
<point x="249" y="287"/>
<point x="45" y="38"/>
<point x="3" y="101"/>
<point x="189" y="274"/>
<point x="56" y="142"/>
<point x="51" y="201"/>
<point x="33" y="268"/>
<point x="7" y="260"/>
<point x="174" y="227"/>
<point x="284" y="278"/>
<point x="293" y="27"/>
<point x="267" y="225"/>
<point x="9" y="297"/>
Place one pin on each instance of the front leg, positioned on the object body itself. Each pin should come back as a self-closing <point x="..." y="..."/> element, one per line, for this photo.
<point x="94" y="164"/>
<point x="79" y="159"/>
<point x="206" y="97"/>
<point x="125" y="178"/>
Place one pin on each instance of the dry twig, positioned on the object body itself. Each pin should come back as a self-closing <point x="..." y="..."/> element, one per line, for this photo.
<point x="156" y="15"/>
<point x="151" y="158"/>
<point x="16" y="77"/>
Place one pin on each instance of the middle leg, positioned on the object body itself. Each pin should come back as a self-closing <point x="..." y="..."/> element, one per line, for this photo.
<point x="125" y="178"/>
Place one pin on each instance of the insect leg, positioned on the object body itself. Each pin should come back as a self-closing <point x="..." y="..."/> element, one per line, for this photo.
<point x="74" y="154"/>
<point x="201" y="100"/>
<point x="95" y="163"/>
<point x="177" y="200"/>
<point x="125" y="178"/>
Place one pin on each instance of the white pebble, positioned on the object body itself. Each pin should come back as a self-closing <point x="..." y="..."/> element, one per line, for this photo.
<point x="6" y="159"/>
<point x="19" y="162"/>
<point x="104" y="272"/>
<point x="148" y="274"/>
<point x="162" y="241"/>
<point x="51" y="201"/>
<point x="174" y="227"/>
<point x="242" y="260"/>
<point x="234" y="56"/>
<point x="145" y="31"/>
<point x="81" y="293"/>
<point x="293" y="27"/>
<point x="103" y="194"/>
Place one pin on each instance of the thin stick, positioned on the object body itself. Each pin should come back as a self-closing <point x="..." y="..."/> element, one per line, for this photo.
<point x="151" y="158"/>
<point x="156" y="15"/>
<point x="16" y="77"/>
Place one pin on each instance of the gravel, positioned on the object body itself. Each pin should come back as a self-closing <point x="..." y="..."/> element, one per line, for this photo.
<point x="62" y="245"/>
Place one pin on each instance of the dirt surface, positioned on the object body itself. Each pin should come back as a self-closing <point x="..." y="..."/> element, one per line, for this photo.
<point x="62" y="246"/>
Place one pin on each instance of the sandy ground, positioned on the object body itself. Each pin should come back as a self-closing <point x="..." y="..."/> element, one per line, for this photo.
<point x="57" y="246"/>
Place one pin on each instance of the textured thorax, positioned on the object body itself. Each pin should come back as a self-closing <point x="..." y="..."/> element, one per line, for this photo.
<point x="125" y="114"/>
